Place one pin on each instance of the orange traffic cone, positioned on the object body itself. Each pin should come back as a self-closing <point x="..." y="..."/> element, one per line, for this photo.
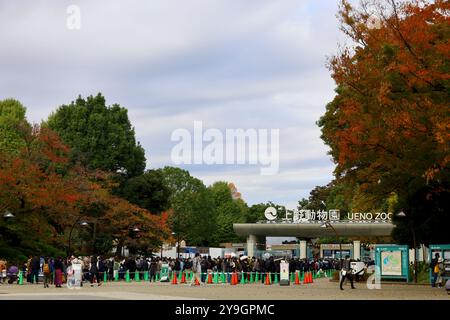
<point x="174" y="279"/>
<point x="183" y="278"/>
<point x="305" y="278"/>
<point x="267" y="279"/>
<point x="209" y="279"/>
<point x="197" y="283"/>
<point x="297" y="280"/>
<point x="234" y="279"/>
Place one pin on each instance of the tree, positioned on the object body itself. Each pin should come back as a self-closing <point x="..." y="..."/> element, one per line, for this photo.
<point x="13" y="125"/>
<point x="48" y="194"/>
<point x="229" y="210"/>
<point x="147" y="191"/>
<point x="101" y="136"/>
<point x="193" y="216"/>
<point x="389" y="125"/>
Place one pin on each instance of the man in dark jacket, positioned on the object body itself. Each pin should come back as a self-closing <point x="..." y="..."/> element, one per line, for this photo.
<point x="35" y="267"/>
<point x="346" y="272"/>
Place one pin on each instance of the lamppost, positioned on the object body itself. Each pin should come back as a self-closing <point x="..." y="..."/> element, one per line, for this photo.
<point x="327" y="224"/>
<point x="178" y="243"/>
<point x="82" y="223"/>
<point x="8" y="215"/>
<point x="410" y="222"/>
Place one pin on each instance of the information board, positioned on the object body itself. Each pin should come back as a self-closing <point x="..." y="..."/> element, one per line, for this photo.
<point x="392" y="261"/>
<point x="284" y="273"/>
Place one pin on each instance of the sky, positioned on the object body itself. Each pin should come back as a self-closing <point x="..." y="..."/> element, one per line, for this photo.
<point x="249" y="64"/>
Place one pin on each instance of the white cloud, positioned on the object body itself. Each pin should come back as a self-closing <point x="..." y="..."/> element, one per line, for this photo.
<point x="229" y="63"/>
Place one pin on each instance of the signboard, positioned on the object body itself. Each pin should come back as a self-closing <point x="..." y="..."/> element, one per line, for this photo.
<point x="301" y="216"/>
<point x="284" y="273"/>
<point x="165" y="272"/>
<point x="392" y="261"/>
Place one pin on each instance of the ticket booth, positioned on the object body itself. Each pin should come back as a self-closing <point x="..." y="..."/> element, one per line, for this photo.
<point x="444" y="253"/>
<point x="392" y="261"/>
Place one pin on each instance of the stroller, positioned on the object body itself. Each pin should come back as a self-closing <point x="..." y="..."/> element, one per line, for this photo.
<point x="12" y="274"/>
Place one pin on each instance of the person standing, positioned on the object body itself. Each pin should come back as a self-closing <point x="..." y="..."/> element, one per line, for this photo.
<point x="94" y="272"/>
<point x="35" y="268"/>
<point x="196" y="268"/>
<point x="2" y="271"/>
<point x="346" y="272"/>
<point x="434" y="269"/>
<point x="47" y="273"/>
<point x="59" y="267"/>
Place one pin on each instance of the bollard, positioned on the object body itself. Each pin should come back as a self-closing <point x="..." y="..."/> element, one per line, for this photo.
<point x="243" y="278"/>
<point x="105" y="277"/>
<point x="257" y="277"/>
<point x="20" y="277"/>
<point x="251" y="277"/>
<point x="136" y="276"/>
<point x="116" y="276"/>
<point x="275" y="281"/>
<point x="146" y="276"/>
<point x="127" y="276"/>
<point x="216" y="278"/>
<point x="292" y="279"/>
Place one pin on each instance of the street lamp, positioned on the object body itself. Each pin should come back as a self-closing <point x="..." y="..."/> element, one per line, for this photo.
<point x="327" y="224"/>
<point x="178" y="243"/>
<point x="7" y="214"/>
<point x="82" y="223"/>
<point x="401" y="214"/>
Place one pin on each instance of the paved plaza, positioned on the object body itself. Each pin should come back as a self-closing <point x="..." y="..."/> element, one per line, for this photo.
<point x="320" y="289"/>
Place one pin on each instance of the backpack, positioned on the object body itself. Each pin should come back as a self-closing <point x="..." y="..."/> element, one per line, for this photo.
<point x="433" y="263"/>
<point x="46" y="268"/>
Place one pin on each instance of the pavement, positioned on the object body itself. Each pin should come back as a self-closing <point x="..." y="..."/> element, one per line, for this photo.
<point x="321" y="289"/>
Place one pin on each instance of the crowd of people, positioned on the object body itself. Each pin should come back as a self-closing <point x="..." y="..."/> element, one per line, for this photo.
<point x="94" y="269"/>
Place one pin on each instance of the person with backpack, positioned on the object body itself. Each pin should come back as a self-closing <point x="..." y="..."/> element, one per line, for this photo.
<point x="197" y="269"/>
<point x="47" y="273"/>
<point x="434" y="269"/>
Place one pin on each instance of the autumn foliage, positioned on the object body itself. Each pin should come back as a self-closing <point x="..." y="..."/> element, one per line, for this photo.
<point x="48" y="194"/>
<point x="389" y="124"/>
<point x="391" y="113"/>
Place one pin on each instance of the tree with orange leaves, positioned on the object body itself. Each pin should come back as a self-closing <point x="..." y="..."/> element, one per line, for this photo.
<point x="48" y="195"/>
<point x="389" y="125"/>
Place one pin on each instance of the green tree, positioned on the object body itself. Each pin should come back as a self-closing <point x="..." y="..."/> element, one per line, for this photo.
<point x="147" y="191"/>
<point x="13" y="126"/>
<point x="228" y="211"/>
<point x="193" y="216"/>
<point x="101" y="137"/>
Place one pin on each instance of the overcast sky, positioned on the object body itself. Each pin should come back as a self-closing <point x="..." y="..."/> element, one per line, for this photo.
<point x="230" y="64"/>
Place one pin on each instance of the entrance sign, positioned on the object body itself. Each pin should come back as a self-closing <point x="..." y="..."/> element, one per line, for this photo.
<point x="284" y="273"/>
<point x="392" y="261"/>
<point x="305" y="216"/>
